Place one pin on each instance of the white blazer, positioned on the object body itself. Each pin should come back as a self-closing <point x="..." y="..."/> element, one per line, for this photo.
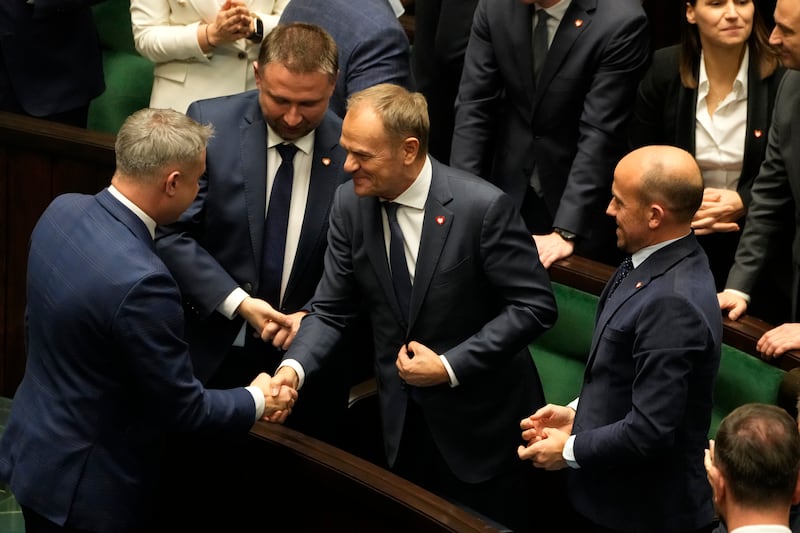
<point x="165" y="32"/>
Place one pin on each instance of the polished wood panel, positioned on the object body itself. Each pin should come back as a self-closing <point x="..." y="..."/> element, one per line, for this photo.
<point x="38" y="161"/>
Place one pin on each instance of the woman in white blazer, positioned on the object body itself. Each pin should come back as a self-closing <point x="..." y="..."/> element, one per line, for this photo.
<point x="201" y="48"/>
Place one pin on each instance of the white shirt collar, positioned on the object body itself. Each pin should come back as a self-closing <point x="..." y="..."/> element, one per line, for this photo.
<point x="417" y="193"/>
<point x="739" y="84"/>
<point x="144" y="217"/>
<point x="639" y="257"/>
<point x="765" y="528"/>
<point x="558" y="10"/>
<point x="305" y="144"/>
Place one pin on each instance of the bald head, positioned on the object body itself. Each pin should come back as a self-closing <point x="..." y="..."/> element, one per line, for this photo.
<point x="669" y="176"/>
<point x="655" y="194"/>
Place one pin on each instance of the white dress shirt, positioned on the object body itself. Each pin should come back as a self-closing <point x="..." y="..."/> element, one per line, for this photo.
<point x="719" y="138"/>
<point x="297" y="209"/>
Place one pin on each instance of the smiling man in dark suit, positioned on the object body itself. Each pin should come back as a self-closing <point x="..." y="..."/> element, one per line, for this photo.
<point x="455" y="292"/>
<point x="634" y="439"/>
<point x="545" y="94"/>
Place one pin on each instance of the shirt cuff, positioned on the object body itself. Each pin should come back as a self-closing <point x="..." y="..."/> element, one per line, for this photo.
<point x="568" y="453"/>
<point x="739" y="293"/>
<point x="258" y="398"/>
<point x="450" y="373"/>
<point x="574" y="404"/>
<point x="295" y="365"/>
<point x="230" y="304"/>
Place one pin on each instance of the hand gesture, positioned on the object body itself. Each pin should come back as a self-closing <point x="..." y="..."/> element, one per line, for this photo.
<point x="552" y="247"/>
<point x="733" y="303"/>
<point x="420" y="366"/>
<point x="278" y="402"/>
<point x="547" y="451"/>
<point x="720" y="210"/>
<point x="280" y="333"/>
<point x="549" y="416"/>
<point x="233" y="22"/>
<point x="259" y="314"/>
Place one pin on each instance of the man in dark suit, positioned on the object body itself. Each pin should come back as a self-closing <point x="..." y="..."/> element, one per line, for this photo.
<point x="455" y="292"/>
<point x="776" y="195"/>
<point x="373" y="47"/>
<point x="635" y="441"/>
<point x="51" y="64"/>
<point x="108" y="372"/>
<point x="753" y="467"/>
<point x="551" y="138"/>
<point x="217" y="250"/>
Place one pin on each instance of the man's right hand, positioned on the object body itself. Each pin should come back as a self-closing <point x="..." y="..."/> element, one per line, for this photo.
<point x="549" y="416"/>
<point x="278" y="402"/>
<point x="733" y="303"/>
<point x="259" y="314"/>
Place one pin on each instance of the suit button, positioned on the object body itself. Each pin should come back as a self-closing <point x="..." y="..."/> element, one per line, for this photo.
<point x="248" y="286"/>
<point x="242" y="55"/>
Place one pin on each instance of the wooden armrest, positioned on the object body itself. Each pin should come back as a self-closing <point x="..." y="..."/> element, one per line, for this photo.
<point x="361" y="391"/>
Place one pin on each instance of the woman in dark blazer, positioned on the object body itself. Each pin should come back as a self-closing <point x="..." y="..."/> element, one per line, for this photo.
<point x="712" y="95"/>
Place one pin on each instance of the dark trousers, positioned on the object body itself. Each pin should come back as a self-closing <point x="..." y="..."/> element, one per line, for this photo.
<point x="36" y="523"/>
<point x="503" y="498"/>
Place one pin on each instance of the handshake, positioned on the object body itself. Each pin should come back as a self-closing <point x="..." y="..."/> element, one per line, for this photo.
<point x="280" y="393"/>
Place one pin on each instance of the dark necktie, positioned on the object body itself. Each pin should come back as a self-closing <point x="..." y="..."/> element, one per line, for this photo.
<point x="622" y="272"/>
<point x="275" y="226"/>
<point x="539" y="43"/>
<point x="397" y="259"/>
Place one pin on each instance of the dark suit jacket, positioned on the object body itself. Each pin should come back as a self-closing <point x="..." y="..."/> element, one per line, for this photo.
<point x="216" y="245"/>
<point x="645" y="405"/>
<point x="665" y="113"/>
<point x="373" y="47"/>
<point x="50" y="57"/>
<point x="107" y="373"/>
<point x="571" y="124"/>
<point x="480" y="297"/>
<point x="775" y="196"/>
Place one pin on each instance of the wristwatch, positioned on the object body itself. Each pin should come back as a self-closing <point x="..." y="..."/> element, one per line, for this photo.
<point x="258" y="34"/>
<point x="564" y="234"/>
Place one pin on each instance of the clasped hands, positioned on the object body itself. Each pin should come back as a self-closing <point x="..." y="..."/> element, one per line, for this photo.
<point x="546" y="432"/>
<point x="270" y="324"/>
<point x="278" y="400"/>
<point x="718" y="213"/>
<point x="233" y="22"/>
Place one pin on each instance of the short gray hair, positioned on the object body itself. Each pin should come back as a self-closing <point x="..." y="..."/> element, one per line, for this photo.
<point x="151" y="139"/>
<point x="404" y="113"/>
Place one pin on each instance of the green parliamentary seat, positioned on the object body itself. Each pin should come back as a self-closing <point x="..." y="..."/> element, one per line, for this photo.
<point x="560" y="355"/>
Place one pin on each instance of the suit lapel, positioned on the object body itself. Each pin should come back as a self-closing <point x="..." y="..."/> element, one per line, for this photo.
<point x="576" y="21"/>
<point x="435" y="229"/>
<point x="638" y="280"/>
<point x="325" y="168"/>
<point x="254" y="174"/>
<point x="685" y="118"/>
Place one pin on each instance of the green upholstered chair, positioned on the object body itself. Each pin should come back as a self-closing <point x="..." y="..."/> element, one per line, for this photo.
<point x="560" y="355"/>
<point x="11" y="520"/>
<point x="128" y="76"/>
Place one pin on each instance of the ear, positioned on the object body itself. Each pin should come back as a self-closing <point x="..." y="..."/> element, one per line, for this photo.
<point x="410" y="150"/>
<point x="656" y="216"/>
<point x="690" y="18"/>
<point x="171" y="183"/>
<point x="256" y="74"/>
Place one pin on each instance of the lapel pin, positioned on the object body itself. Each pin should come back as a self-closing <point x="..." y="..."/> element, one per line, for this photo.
<point x="758" y="133"/>
<point x="440" y="220"/>
<point x="639" y="284"/>
<point x="578" y="23"/>
<point x="326" y="161"/>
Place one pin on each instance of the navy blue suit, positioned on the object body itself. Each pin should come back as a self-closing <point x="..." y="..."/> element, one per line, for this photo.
<point x="216" y="245"/>
<point x="569" y="126"/>
<point x="373" y="47"/>
<point x="645" y="406"/>
<point x="107" y="372"/>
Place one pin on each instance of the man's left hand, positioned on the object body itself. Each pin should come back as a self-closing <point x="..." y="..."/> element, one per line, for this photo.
<point x="780" y="340"/>
<point x="547" y="452"/>
<point x="420" y="366"/>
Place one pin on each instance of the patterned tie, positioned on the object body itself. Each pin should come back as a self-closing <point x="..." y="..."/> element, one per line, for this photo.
<point x="539" y="43"/>
<point x="622" y="272"/>
<point x="397" y="260"/>
<point x="275" y="226"/>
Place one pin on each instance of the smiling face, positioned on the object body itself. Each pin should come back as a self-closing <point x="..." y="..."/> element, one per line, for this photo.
<point x="722" y="23"/>
<point x="293" y="103"/>
<point x="629" y="211"/>
<point x="377" y="162"/>
<point x="785" y="36"/>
